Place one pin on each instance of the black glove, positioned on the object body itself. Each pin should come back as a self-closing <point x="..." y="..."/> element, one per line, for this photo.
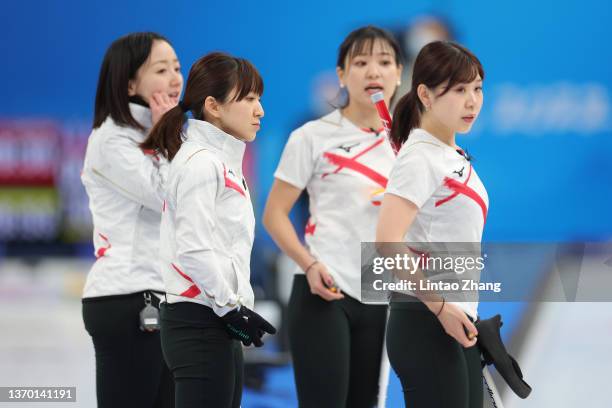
<point x="247" y="326"/>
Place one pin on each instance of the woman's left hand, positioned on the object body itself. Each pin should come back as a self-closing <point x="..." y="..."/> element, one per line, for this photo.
<point x="160" y="103"/>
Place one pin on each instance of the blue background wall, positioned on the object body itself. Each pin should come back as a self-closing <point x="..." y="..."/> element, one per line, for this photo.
<point x="542" y="143"/>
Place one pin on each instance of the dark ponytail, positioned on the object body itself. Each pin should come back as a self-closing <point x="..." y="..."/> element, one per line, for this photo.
<point x="406" y="116"/>
<point x="437" y="62"/>
<point x="216" y="74"/>
<point x="166" y="136"/>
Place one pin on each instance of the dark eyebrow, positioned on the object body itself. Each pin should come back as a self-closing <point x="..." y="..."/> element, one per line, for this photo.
<point x="383" y="53"/>
<point x="164" y="61"/>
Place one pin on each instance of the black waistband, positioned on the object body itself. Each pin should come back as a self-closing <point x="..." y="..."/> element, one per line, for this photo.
<point x="401" y="301"/>
<point x="154" y="298"/>
<point x="190" y="313"/>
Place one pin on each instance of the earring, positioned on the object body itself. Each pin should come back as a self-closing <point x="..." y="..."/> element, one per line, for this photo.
<point x="341" y="85"/>
<point x="399" y="83"/>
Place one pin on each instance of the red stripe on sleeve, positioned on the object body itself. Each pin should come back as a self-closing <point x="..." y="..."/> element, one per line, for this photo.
<point x="193" y="290"/>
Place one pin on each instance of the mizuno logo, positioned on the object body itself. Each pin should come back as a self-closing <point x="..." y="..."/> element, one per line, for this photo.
<point x="347" y="148"/>
<point x="353" y="164"/>
<point x="459" y="172"/>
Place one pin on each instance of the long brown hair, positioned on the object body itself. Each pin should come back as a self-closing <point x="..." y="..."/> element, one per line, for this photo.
<point x="437" y="62"/>
<point x="216" y="74"/>
<point x="120" y="64"/>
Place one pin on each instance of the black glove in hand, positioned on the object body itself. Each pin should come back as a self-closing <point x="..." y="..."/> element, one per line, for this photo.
<point x="247" y="326"/>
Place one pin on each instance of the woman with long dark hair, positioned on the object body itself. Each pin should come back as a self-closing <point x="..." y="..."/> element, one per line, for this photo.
<point x="140" y="79"/>
<point x="435" y="198"/>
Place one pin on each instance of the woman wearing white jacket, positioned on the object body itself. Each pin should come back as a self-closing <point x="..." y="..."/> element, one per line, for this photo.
<point x="139" y="80"/>
<point x="207" y="231"/>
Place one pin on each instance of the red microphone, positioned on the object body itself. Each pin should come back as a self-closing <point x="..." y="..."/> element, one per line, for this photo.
<point x="378" y="99"/>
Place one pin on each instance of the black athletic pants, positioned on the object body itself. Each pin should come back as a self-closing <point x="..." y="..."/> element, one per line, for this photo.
<point x="206" y="363"/>
<point x="336" y="348"/>
<point x="130" y="369"/>
<point x="434" y="369"/>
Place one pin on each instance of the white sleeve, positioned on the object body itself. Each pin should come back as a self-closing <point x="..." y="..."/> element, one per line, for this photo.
<point x="125" y="168"/>
<point x="413" y="176"/>
<point x="195" y="225"/>
<point x="297" y="162"/>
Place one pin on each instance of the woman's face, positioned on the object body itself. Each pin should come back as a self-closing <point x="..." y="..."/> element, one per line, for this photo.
<point x="161" y="73"/>
<point x="458" y="108"/>
<point x="365" y="74"/>
<point x="242" y="119"/>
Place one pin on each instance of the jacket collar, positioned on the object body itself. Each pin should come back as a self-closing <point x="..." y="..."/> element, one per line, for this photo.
<point x="211" y="137"/>
<point x="421" y="135"/>
<point x="142" y="114"/>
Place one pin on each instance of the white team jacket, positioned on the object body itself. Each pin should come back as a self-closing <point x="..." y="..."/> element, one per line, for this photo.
<point x="125" y="189"/>
<point x="208" y="224"/>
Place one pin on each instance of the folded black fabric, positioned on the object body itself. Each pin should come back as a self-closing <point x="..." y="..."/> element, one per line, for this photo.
<point x="494" y="352"/>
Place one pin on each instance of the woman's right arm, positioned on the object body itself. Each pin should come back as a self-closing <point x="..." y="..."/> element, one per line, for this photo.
<point x="396" y="216"/>
<point x="122" y="166"/>
<point x="276" y="220"/>
<point x="195" y="225"/>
